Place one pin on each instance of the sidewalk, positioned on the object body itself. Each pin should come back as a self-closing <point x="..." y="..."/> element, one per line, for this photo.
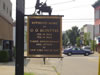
<point x="7" y="68"/>
<point x="96" y="54"/>
<point x="37" y="66"/>
<point x="34" y="65"/>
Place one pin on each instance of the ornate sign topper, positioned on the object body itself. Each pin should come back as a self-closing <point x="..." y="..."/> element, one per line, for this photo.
<point x="44" y="36"/>
<point x="41" y="7"/>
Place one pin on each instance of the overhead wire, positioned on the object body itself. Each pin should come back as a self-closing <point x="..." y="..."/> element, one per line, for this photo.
<point x="81" y="19"/>
<point x="62" y="2"/>
<point x="78" y="20"/>
<point x="72" y="8"/>
<point x="58" y="4"/>
<point x="54" y="4"/>
<point x="62" y="10"/>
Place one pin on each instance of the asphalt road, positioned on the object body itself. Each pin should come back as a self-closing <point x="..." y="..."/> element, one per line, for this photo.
<point x="70" y="65"/>
<point x="79" y="65"/>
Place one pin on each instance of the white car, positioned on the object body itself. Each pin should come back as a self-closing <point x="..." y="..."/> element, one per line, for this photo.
<point x="86" y="48"/>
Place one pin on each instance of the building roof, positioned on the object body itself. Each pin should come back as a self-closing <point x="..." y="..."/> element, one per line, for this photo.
<point x="96" y="4"/>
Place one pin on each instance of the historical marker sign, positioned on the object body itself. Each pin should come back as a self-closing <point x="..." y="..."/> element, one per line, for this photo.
<point x="44" y="36"/>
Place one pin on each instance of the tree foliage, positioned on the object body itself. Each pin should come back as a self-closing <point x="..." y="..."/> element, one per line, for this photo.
<point x="78" y="41"/>
<point x="70" y="36"/>
<point x="73" y="34"/>
<point x="93" y="45"/>
<point x="65" y="39"/>
<point x="86" y="39"/>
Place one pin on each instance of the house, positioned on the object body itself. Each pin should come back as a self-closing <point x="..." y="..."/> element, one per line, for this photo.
<point x="6" y="25"/>
<point x="92" y="30"/>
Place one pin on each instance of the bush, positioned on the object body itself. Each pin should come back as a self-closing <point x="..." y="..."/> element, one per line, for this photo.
<point x="4" y="56"/>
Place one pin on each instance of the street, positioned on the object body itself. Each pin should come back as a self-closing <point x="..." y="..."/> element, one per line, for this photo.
<point x="77" y="65"/>
<point x="69" y="65"/>
<point x="80" y="66"/>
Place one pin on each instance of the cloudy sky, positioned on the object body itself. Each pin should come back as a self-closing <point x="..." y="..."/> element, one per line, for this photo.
<point x="76" y="12"/>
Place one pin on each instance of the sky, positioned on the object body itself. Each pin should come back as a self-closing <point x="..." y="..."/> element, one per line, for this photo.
<point x="76" y="12"/>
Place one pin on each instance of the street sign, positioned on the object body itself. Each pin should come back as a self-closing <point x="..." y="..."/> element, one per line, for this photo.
<point x="44" y="36"/>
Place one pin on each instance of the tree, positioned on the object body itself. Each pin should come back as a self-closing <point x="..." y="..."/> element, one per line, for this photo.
<point x="73" y="34"/>
<point x="65" y="40"/>
<point x="86" y="39"/>
<point x="93" y="45"/>
<point x="78" y="40"/>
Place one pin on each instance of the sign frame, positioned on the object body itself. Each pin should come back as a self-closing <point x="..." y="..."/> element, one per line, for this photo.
<point x="60" y="33"/>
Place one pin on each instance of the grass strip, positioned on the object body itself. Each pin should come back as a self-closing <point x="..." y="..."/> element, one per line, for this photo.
<point x="56" y="70"/>
<point x="29" y="73"/>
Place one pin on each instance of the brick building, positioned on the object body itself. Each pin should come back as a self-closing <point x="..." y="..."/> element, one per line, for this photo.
<point x="96" y="6"/>
<point x="97" y="12"/>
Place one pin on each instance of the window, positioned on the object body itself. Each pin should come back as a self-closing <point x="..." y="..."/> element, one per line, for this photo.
<point x="97" y="14"/>
<point x="78" y="49"/>
<point x="6" y="44"/>
<point x="4" y="6"/>
<point x="73" y="49"/>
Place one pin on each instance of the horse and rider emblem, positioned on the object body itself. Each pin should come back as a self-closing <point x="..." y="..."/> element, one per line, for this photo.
<point x="42" y="7"/>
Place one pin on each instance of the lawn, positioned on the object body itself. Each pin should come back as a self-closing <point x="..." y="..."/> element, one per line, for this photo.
<point x="29" y="74"/>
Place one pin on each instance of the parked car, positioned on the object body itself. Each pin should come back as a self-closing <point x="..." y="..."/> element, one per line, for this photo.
<point x="76" y="50"/>
<point x="86" y="47"/>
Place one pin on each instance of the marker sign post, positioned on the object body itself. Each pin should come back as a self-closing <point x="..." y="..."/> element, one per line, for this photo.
<point x="44" y="36"/>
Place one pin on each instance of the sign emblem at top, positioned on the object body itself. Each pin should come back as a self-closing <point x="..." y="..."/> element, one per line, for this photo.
<point x="42" y="7"/>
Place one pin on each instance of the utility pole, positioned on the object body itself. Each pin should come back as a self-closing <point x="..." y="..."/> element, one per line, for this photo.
<point x="19" y="68"/>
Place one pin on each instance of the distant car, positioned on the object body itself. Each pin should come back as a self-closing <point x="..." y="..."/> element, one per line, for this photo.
<point x="76" y="50"/>
<point x="86" y="47"/>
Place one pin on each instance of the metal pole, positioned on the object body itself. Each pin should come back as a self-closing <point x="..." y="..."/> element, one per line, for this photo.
<point x="93" y="37"/>
<point x="19" y="68"/>
<point x="44" y="60"/>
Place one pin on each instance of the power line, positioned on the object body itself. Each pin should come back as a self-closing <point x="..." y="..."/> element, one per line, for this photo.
<point x="76" y="21"/>
<point x="80" y="19"/>
<point x="73" y="8"/>
<point x="64" y="9"/>
<point x="53" y="4"/>
<point x="62" y="2"/>
<point x="58" y="4"/>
